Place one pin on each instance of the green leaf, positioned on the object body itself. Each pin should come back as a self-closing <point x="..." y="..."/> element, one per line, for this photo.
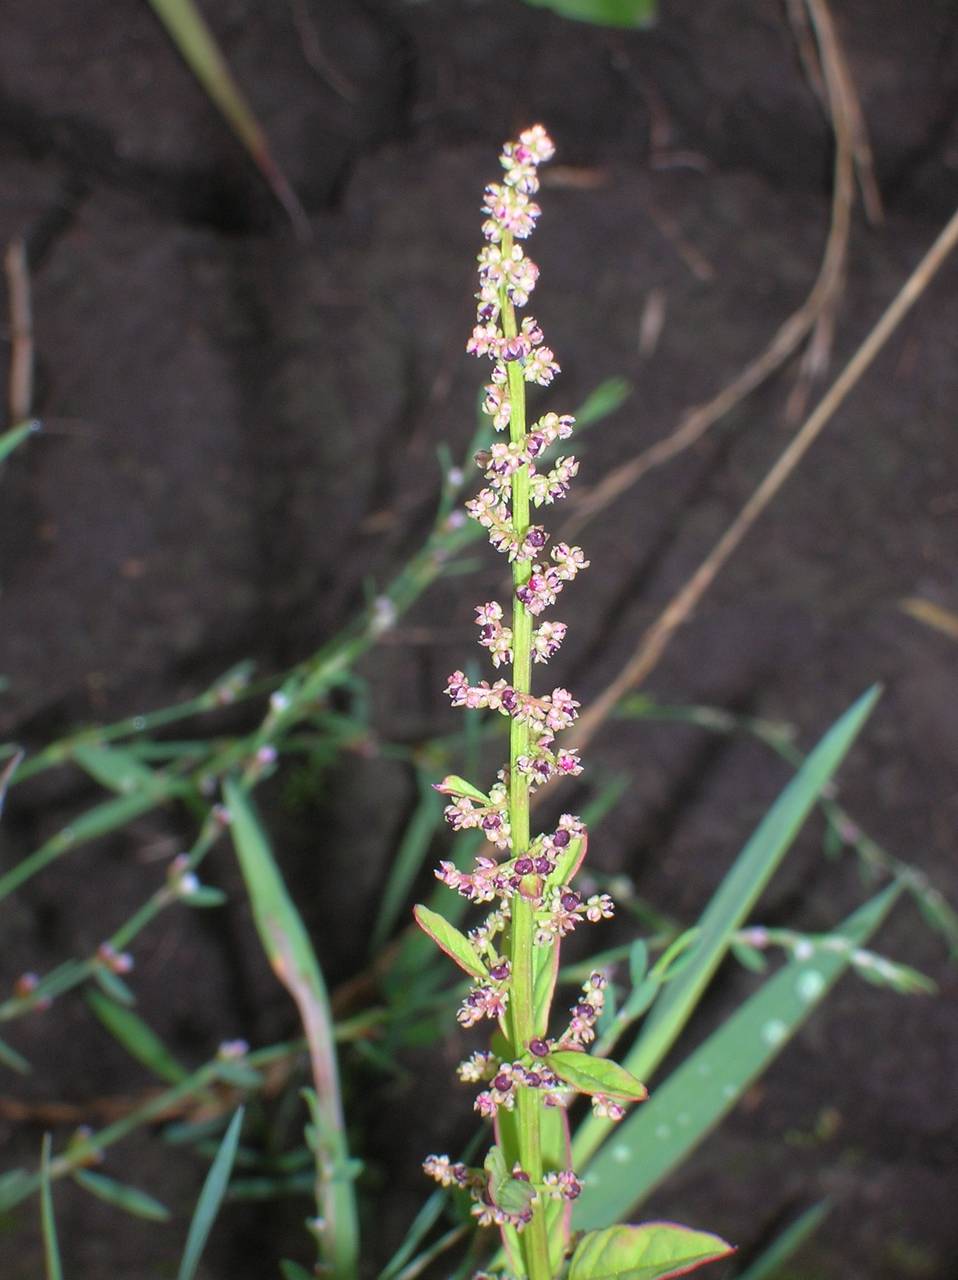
<point x="545" y="964"/>
<point x="648" y="1145"/>
<point x="595" y="1075"/>
<point x="137" y="1038"/>
<point x="203" y="897"/>
<point x="199" y="50"/>
<point x="293" y="1271"/>
<point x="448" y="938"/>
<point x="211" y="1197"/>
<point x="51" y="1249"/>
<point x="410" y="856"/>
<point x="97" y="821"/>
<point x="115" y="769"/>
<point x="638" y="962"/>
<point x="743" y="885"/>
<point x="653" y="1251"/>
<point x="15" y="437"/>
<point x="604" y="13"/>
<point x="6" y="774"/>
<point x="603" y="400"/>
<point x="290" y="952"/>
<point x="453" y="785"/>
<point x="129" y="1199"/>
<point x="16" y="1185"/>
<point x="15" y="1061"/>
<point x="509" y="1193"/>
<point x="113" y="985"/>
<point x="771" y="1260"/>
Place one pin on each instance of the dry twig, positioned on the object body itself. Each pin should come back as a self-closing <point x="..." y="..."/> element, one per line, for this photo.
<point x="656" y="638"/>
<point x="20" y="391"/>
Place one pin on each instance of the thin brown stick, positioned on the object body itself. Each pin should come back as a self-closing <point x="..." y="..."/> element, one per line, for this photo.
<point x="20" y="391"/>
<point x="656" y="638"/>
<point x="835" y="66"/>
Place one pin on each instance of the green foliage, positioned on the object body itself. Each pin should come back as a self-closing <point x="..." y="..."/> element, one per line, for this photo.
<point x="653" y="1251"/>
<point x="211" y="1197"/>
<point x="448" y="939"/>
<point x="129" y="1199"/>
<point x="596" y="1075"/>
<point x="51" y="1247"/>
<point x="137" y="1038"/>
<point x="604" y="13"/>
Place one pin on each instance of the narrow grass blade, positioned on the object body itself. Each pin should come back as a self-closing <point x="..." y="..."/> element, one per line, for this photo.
<point x="198" y="48"/>
<point x="291" y="955"/>
<point x="15" y="1061"/>
<point x="656" y="1138"/>
<point x="51" y="1249"/>
<point x="603" y="400"/>
<point x="742" y="887"/>
<point x="137" y="1038"/>
<point x="6" y="774"/>
<point x="15" y="437"/>
<point x="16" y="1185"/>
<point x="211" y="1197"/>
<point x="604" y="13"/>
<point x="407" y="864"/>
<point x="772" y="1259"/>
<point x="130" y="1199"/>
<point x="115" y="769"/>
<point x="98" y="821"/>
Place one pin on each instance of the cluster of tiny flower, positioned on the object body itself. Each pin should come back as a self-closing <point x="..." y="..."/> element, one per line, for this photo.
<point x="492" y="819"/>
<point x="554" y="711"/>
<point x="540" y="872"/>
<point x="586" y="1012"/>
<point x="490" y="879"/>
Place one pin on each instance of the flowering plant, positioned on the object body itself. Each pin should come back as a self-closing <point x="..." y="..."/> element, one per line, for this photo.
<point x="531" y="1073"/>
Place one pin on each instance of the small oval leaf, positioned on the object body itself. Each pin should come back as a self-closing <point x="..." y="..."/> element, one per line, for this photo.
<point x="596" y="1075"/>
<point x="448" y="938"/>
<point x="653" y="1251"/>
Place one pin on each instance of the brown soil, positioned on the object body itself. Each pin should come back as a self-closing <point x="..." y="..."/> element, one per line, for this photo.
<point x="241" y="429"/>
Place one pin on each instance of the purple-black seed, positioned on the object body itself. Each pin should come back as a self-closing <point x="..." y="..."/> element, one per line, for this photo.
<point x="543" y="866"/>
<point x="499" y="972"/>
<point x="538" y="1048"/>
<point x="525" y="867"/>
<point x="570" y="901"/>
<point x="585" y="1010"/>
<point x="487" y="632"/>
<point x="561" y="838"/>
<point x="491" y="822"/>
<point x="502" y="1082"/>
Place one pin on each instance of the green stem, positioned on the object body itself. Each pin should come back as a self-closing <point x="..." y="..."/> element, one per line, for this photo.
<point x="534" y="1239"/>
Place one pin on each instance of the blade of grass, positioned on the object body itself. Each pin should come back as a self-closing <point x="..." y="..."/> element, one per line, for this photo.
<point x="657" y="1137"/>
<point x="291" y="955"/>
<point x="733" y="899"/>
<point x="211" y="1197"/>
<point x="770" y="1261"/>
<point x="130" y="1199"/>
<point x="51" y="1249"/>
<point x="137" y="1038"/>
<point x="407" y="863"/>
<point x="15" y="437"/>
<point x="198" y="48"/>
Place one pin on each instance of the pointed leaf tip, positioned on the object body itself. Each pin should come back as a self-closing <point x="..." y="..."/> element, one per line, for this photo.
<point x="448" y="938"/>
<point x="652" y="1251"/>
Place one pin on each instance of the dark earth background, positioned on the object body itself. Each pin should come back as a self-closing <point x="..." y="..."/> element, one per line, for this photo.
<point x="241" y="429"/>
